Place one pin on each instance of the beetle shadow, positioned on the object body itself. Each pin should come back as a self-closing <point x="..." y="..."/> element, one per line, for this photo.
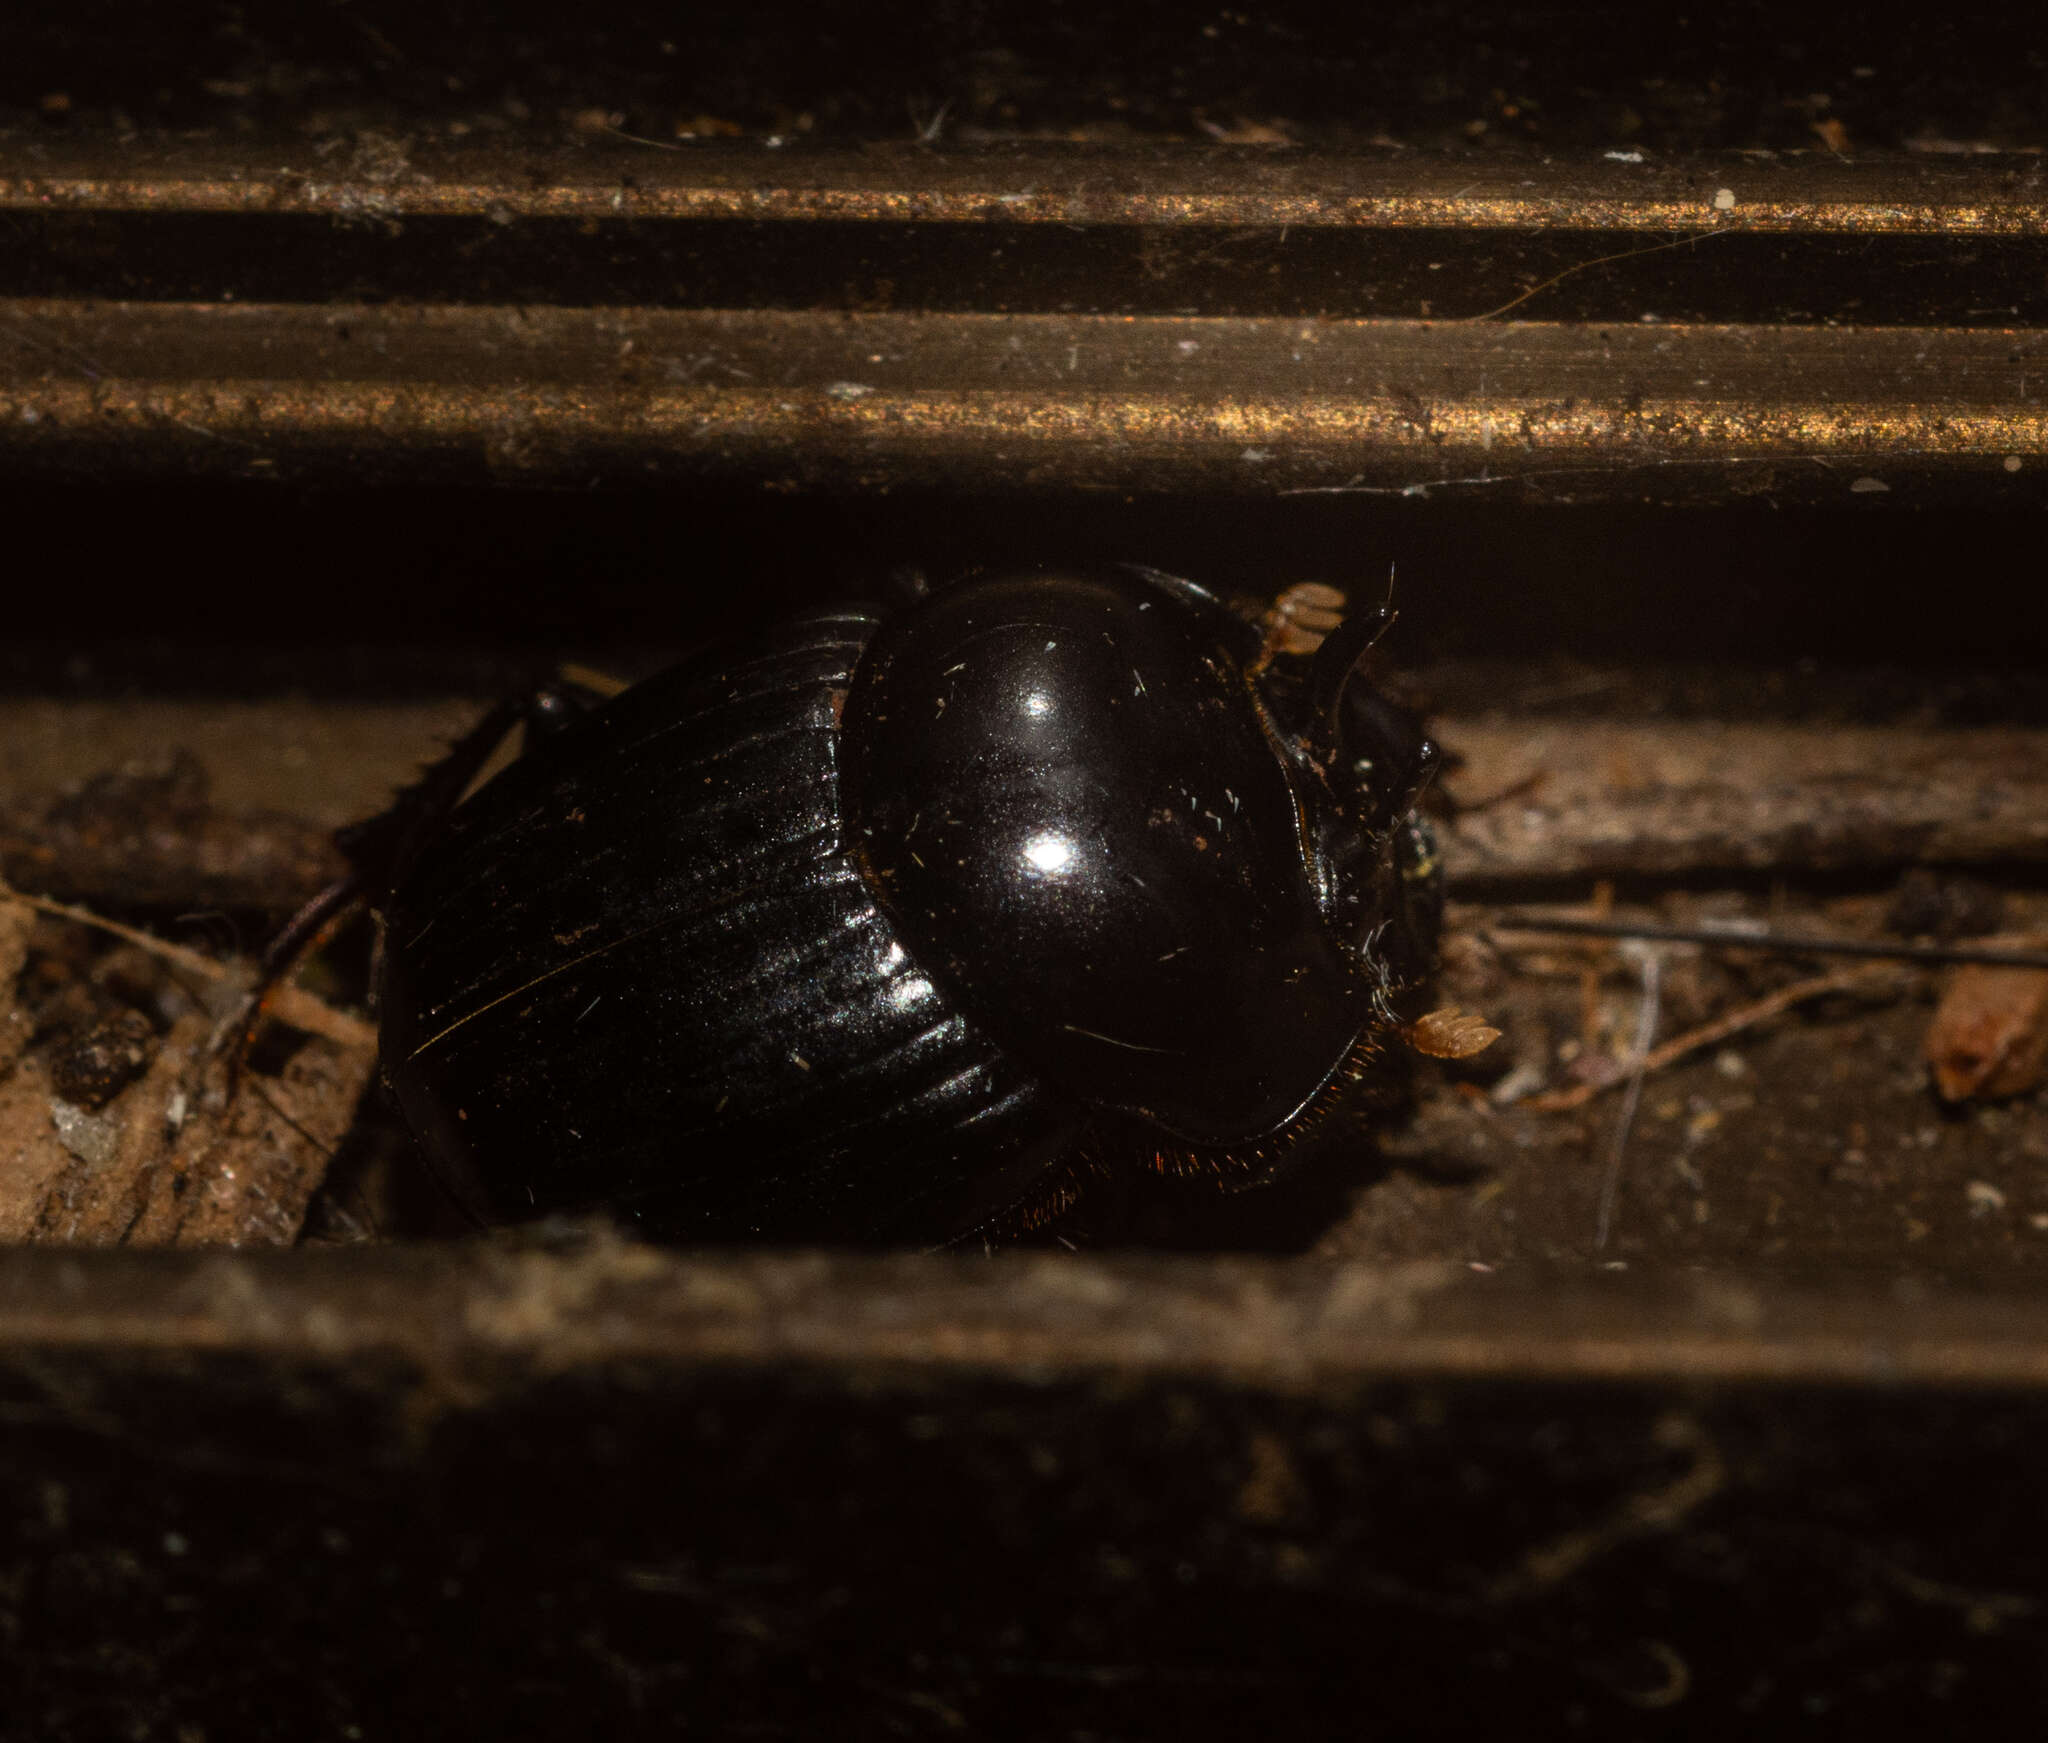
<point x="380" y="1187"/>
<point x="1286" y="1216"/>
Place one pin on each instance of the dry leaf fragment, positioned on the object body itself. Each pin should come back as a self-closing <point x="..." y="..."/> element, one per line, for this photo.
<point x="1833" y="134"/>
<point x="1989" y="1037"/>
<point x="1451" y="1034"/>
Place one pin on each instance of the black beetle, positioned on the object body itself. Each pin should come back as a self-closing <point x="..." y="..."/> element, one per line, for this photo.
<point x="866" y="926"/>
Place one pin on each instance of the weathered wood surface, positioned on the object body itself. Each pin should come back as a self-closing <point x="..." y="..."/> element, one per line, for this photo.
<point x="448" y="1492"/>
<point x="1618" y="798"/>
<point x="244" y="821"/>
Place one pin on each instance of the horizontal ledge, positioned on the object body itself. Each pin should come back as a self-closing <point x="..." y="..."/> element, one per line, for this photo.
<point x="1257" y="405"/>
<point x="1251" y="1322"/>
<point x="1656" y="799"/>
<point x="1591" y="798"/>
<point x="376" y="179"/>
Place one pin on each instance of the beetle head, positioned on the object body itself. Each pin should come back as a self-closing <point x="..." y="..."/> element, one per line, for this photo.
<point x="1360" y="762"/>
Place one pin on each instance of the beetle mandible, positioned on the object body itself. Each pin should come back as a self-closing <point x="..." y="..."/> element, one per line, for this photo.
<point x="863" y="927"/>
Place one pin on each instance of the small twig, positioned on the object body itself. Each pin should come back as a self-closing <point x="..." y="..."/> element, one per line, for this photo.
<point x="1601" y="260"/>
<point x="292" y="1120"/>
<point x="1589" y="973"/>
<point x="638" y="139"/>
<point x="1558" y="1101"/>
<point x="1521" y="789"/>
<point x="293" y="1005"/>
<point x="1727" y="938"/>
<point x="1652" y="965"/>
<point x="928" y="128"/>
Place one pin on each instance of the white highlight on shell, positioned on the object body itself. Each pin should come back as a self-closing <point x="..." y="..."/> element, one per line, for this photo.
<point x="1049" y="855"/>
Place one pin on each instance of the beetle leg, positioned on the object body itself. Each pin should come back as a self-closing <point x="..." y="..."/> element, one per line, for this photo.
<point x="1048" y="1198"/>
<point x="303" y="934"/>
<point x="1428" y="761"/>
<point x="381" y="849"/>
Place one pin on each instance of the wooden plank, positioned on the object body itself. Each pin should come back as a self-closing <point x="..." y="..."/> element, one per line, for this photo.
<point x="1608" y="799"/>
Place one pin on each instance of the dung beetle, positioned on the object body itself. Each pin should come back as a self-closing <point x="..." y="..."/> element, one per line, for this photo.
<point x="888" y="924"/>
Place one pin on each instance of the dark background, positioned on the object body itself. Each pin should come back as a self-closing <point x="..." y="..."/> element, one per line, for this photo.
<point x="1739" y="75"/>
<point x="253" y="589"/>
<point x="188" y="588"/>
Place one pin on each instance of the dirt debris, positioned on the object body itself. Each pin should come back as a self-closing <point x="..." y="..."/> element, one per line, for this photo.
<point x="117" y="1119"/>
<point x="1810" y="1137"/>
